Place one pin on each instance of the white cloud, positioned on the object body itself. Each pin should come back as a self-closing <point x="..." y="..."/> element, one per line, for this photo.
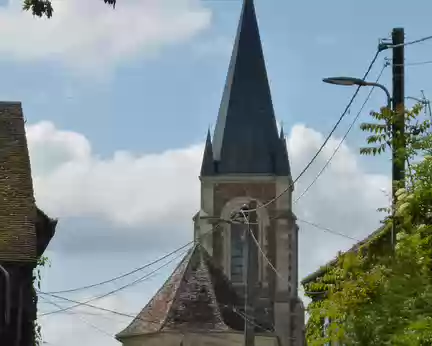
<point x="70" y="181"/>
<point x="158" y="191"/>
<point x="90" y="34"/>
<point x="162" y="190"/>
<point x="220" y="46"/>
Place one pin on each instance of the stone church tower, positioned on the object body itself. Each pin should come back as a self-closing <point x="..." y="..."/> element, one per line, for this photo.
<point x="202" y="302"/>
<point x="248" y="159"/>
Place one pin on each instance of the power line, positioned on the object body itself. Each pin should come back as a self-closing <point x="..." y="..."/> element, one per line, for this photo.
<point x="409" y="43"/>
<point x="327" y="229"/>
<point x="82" y="319"/>
<point x="114" y="311"/>
<point x="418" y="63"/>
<point x="214" y="229"/>
<point x="348" y="106"/>
<point x="259" y="207"/>
<point x="259" y="246"/>
<point x="97" y="307"/>
<point x="344" y="137"/>
<point x="122" y="275"/>
<point x="116" y="290"/>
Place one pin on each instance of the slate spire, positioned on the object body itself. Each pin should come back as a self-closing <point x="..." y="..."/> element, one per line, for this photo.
<point x="283" y="165"/>
<point x="207" y="166"/>
<point x="246" y="139"/>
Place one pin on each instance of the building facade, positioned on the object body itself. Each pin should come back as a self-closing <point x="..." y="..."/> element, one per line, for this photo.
<point x="25" y="231"/>
<point x="246" y="160"/>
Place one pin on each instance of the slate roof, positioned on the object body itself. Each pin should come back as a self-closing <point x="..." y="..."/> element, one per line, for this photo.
<point x="197" y="297"/>
<point x="246" y="139"/>
<point x="18" y="210"/>
<point x="207" y="166"/>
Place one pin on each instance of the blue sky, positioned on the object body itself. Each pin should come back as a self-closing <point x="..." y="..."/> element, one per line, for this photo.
<point x="303" y="42"/>
<point x="84" y="106"/>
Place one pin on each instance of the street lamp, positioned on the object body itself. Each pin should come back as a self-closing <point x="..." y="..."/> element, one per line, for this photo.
<point x="349" y="81"/>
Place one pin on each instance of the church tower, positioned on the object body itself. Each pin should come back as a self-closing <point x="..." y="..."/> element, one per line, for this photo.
<point x="247" y="159"/>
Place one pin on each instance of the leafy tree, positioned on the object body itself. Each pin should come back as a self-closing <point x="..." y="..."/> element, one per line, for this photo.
<point x="42" y="8"/>
<point x="377" y="296"/>
<point x="37" y="279"/>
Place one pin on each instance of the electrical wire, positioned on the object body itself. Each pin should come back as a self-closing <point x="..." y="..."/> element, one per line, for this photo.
<point x="409" y="43"/>
<point x="344" y="137"/>
<point x="419" y="63"/>
<point x="82" y="319"/>
<point x="348" y="106"/>
<point x="259" y="247"/>
<point x="250" y="210"/>
<point x="98" y="307"/>
<point x="139" y="280"/>
<point x="118" y="312"/>
<point x="122" y="275"/>
<point x="327" y="229"/>
<point x="427" y="104"/>
<point x="210" y="232"/>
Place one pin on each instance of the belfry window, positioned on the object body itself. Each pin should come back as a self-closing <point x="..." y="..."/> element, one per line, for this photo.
<point x="237" y="253"/>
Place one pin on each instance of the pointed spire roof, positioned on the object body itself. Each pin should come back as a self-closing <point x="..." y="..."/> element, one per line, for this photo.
<point x="282" y="132"/>
<point x="282" y="162"/>
<point x="196" y="297"/>
<point x="207" y="166"/>
<point x="246" y="139"/>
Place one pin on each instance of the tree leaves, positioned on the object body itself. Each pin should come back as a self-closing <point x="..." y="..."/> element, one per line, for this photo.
<point x="379" y="297"/>
<point x="42" y="8"/>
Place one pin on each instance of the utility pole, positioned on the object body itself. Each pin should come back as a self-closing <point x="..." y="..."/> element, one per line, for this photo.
<point x="398" y="123"/>
<point x="251" y="251"/>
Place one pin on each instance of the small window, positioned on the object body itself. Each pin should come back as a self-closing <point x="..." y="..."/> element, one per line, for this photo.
<point x="237" y="253"/>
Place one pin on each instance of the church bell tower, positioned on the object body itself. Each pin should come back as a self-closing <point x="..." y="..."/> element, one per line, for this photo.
<point x="247" y="159"/>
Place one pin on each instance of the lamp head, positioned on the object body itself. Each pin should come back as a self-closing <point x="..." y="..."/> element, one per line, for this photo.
<point x="345" y="81"/>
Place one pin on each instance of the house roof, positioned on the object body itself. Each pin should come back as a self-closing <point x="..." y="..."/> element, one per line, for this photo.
<point x="246" y="139"/>
<point x="18" y="210"/>
<point x="196" y="297"/>
<point x="355" y="248"/>
<point x="45" y="230"/>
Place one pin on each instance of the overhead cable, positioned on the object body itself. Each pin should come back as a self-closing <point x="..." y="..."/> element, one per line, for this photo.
<point x="348" y="106"/>
<point x="141" y="279"/>
<point x="344" y="137"/>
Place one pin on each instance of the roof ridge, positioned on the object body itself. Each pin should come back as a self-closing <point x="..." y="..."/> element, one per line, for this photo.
<point x="126" y="331"/>
<point x="181" y="280"/>
<point x="211" y="287"/>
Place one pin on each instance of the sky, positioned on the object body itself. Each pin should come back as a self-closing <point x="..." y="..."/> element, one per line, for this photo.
<point x="118" y="103"/>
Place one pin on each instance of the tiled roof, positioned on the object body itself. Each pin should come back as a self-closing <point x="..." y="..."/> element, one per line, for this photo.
<point x="196" y="297"/>
<point x="18" y="210"/>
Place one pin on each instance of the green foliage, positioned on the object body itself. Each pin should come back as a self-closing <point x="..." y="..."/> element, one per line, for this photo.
<point x="42" y="8"/>
<point x="37" y="278"/>
<point x="376" y="296"/>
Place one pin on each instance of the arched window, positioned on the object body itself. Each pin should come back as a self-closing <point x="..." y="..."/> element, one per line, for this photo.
<point x="237" y="253"/>
<point x="233" y="254"/>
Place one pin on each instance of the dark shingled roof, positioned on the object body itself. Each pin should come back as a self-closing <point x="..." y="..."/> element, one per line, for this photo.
<point x="196" y="297"/>
<point x="18" y="210"/>
<point x="207" y="166"/>
<point x="282" y="162"/>
<point x="246" y="139"/>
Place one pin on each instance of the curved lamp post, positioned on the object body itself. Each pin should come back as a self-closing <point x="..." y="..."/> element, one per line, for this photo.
<point x="349" y="81"/>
